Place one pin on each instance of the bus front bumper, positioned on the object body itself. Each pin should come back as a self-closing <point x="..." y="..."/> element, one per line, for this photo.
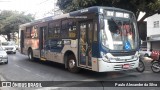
<point x="118" y="66"/>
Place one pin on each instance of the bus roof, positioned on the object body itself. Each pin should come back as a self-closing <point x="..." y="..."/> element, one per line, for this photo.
<point x="94" y="9"/>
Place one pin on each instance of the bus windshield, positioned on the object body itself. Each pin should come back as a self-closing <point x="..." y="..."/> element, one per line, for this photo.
<point x="119" y="34"/>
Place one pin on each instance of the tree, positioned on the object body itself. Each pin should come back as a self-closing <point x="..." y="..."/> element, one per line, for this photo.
<point x="10" y="21"/>
<point x="150" y="7"/>
<point x="136" y="6"/>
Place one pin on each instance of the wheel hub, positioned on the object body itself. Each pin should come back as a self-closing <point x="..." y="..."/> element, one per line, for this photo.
<point x="71" y="63"/>
<point x="140" y="66"/>
<point x="30" y="56"/>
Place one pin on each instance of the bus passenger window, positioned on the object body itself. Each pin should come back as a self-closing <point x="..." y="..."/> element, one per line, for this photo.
<point x="72" y="30"/>
<point x="28" y="32"/>
<point x="54" y="30"/>
<point x="50" y="30"/>
<point x="64" y="32"/>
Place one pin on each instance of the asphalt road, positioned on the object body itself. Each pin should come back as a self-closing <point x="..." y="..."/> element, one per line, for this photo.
<point x="20" y="68"/>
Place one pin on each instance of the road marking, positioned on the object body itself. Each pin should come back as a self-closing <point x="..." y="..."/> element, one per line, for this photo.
<point x="26" y="70"/>
<point x="17" y="65"/>
<point x="40" y="76"/>
<point x="22" y="68"/>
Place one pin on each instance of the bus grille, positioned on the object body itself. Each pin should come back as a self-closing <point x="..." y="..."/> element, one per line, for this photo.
<point x="119" y="67"/>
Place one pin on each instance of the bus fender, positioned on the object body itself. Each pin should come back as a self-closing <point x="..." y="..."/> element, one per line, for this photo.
<point x="66" y="55"/>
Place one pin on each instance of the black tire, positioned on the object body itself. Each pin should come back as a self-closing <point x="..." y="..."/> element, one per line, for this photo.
<point x="71" y="64"/>
<point x="30" y="54"/>
<point x="141" y="66"/>
<point x="155" y="67"/>
<point x="14" y="52"/>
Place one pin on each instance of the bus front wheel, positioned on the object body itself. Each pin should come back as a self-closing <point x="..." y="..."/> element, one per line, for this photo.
<point x="71" y="64"/>
<point x="30" y="54"/>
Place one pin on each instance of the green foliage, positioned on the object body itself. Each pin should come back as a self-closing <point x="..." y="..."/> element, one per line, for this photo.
<point x="149" y="6"/>
<point x="10" y="21"/>
<point x="72" y="5"/>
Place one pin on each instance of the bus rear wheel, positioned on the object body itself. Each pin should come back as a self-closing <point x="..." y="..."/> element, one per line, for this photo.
<point x="30" y="54"/>
<point x="71" y="64"/>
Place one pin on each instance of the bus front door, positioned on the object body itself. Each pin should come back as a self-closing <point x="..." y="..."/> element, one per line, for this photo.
<point x="85" y="43"/>
<point x="22" y="41"/>
<point x="42" y="43"/>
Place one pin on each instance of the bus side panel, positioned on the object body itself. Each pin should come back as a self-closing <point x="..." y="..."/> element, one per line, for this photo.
<point x="59" y="57"/>
<point x="72" y="48"/>
<point x="30" y="43"/>
<point x="55" y="57"/>
<point x="50" y="56"/>
<point x="27" y="44"/>
<point x="36" y="53"/>
<point x="95" y="64"/>
<point x="25" y="51"/>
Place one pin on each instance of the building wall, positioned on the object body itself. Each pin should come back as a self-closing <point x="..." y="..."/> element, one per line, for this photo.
<point x="150" y="25"/>
<point x="153" y="33"/>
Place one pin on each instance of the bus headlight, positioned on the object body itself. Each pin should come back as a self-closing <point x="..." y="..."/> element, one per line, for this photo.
<point x="106" y="60"/>
<point x="115" y="59"/>
<point x="102" y="54"/>
<point x="104" y="57"/>
<point x="137" y="55"/>
<point x="109" y="57"/>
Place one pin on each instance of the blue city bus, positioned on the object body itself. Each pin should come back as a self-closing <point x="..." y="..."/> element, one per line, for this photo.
<point x="101" y="39"/>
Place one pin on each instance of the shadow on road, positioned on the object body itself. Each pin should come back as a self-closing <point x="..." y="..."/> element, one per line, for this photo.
<point x="86" y="73"/>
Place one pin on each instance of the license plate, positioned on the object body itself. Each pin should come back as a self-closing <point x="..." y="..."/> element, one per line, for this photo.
<point x="126" y="66"/>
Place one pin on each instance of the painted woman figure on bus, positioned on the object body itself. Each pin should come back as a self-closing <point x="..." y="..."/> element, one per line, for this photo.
<point x="34" y="33"/>
<point x="129" y="35"/>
